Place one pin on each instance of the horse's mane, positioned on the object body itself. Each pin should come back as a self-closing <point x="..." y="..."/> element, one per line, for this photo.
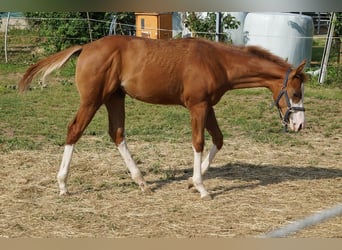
<point x="265" y="54"/>
<point x="255" y="51"/>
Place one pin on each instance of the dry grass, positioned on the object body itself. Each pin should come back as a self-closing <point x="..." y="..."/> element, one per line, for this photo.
<point x="255" y="189"/>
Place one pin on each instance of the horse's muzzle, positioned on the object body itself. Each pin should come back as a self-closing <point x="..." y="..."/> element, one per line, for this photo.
<point x="296" y="127"/>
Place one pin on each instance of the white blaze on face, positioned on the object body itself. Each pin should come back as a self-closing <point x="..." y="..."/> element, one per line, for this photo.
<point x="297" y="118"/>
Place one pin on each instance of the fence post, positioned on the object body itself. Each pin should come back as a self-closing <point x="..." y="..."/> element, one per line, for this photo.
<point x="112" y="28"/>
<point x="89" y="28"/>
<point x="6" y="29"/>
<point x="218" y="26"/>
<point x="326" y="52"/>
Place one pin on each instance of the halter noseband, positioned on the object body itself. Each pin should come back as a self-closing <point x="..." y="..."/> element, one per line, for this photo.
<point x="286" y="118"/>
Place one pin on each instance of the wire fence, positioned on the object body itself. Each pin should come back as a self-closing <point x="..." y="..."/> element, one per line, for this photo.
<point x="22" y="23"/>
<point x="22" y="44"/>
<point x="10" y="27"/>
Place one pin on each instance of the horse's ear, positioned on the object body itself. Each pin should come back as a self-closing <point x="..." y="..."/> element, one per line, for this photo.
<point x="298" y="70"/>
<point x="301" y="67"/>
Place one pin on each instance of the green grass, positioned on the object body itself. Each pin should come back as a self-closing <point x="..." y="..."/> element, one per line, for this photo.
<point x="317" y="49"/>
<point x="40" y="117"/>
<point x="35" y="118"/>
<point x="334" y="74"/>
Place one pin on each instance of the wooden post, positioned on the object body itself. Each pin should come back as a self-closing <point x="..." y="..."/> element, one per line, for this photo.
<point x="6" y="30"/>
<point x="89" y="27"/>
<point x="340" y="50"/>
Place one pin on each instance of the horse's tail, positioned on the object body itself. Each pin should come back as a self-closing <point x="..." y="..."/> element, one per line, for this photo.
<point x="47" y="65"/>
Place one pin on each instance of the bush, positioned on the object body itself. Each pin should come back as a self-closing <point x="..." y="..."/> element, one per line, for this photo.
<point x="60" y="30"/>
<point x="206" y="26"/>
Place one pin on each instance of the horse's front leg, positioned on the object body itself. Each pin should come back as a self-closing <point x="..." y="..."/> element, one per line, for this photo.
<point x="198" y="116"/>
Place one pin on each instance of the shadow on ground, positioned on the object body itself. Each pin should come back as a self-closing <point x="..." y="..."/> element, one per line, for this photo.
<point x="254" y="175"/>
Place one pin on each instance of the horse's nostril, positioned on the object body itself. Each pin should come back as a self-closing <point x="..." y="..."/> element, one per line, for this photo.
<point x="300" y="127"/>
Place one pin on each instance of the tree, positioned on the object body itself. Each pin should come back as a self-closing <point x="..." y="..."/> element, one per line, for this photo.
<point x="60" y="30"/>
<point x="206" y="26"/>
<point x="338" y="34"/>
<point x="125" y="23"/>
<point x="338" y="24"/>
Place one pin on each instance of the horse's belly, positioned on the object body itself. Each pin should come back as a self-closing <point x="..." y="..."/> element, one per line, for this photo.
<point x="153" y="92"/>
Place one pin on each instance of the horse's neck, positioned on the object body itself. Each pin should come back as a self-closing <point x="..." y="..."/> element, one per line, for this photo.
<point x="258" y="75"/>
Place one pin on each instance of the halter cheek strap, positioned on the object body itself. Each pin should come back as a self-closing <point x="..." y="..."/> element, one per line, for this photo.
<point x="286" y="118"/>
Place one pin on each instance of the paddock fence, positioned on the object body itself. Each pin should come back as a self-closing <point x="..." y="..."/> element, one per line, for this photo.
<point x="18" y="38"/>
<point x="309" y="221"/>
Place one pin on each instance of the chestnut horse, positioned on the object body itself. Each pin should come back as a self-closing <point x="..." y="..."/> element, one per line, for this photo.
<point x="194" y="73"/>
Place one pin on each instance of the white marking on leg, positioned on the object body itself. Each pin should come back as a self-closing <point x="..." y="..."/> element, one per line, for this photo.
<point x="206" y="163"/>
<point x="133" y="169"/>
<point x="126" y="155"/>
<point x="62" y="175"/>
<point x="197" y="175"/>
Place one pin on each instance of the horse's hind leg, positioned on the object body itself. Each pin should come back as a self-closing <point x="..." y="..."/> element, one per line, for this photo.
<point x="217" y="137"/>
<point x="116" y="115"/>
<point x="75" y="130"/>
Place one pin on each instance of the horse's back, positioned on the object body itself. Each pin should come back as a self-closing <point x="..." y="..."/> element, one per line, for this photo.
<point x="155" y="71"/>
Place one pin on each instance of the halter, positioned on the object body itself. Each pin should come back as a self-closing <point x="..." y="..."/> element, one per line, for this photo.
<point x="286" y="118"/>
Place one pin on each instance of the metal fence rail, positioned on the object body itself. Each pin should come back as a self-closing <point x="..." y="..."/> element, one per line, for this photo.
<point x="306" y="222"/>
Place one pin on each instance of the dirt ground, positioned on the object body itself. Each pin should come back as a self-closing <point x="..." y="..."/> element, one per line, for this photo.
<point x="256" y="188"/>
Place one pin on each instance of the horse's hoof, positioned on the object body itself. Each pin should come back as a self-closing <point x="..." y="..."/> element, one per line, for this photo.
<point x="148" y="191"/>
<point x="145" y="189"/>
<point x="190" y="183"/>
<point x="206" y="197"/>
<point x="64" y="193"/>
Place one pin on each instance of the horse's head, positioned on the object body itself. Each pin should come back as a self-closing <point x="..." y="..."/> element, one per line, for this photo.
<point x="289" y="98"/>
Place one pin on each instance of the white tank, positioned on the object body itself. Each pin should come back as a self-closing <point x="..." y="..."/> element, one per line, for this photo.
<point x="286" y="35"/>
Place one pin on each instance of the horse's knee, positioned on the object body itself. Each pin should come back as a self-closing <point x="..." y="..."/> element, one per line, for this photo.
<point x="198" y="145"/>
